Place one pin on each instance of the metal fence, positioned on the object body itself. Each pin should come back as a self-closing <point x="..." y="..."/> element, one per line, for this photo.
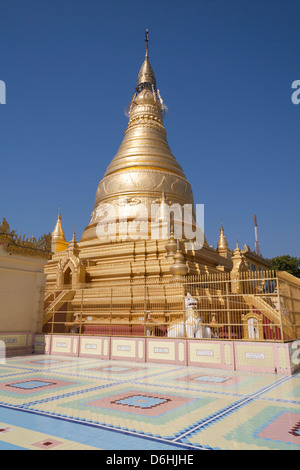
<point x="258" y="306"/>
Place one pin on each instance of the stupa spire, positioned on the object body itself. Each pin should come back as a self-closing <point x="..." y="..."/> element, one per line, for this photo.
<point x="73" y="243"/>
<point x="58" y="233"/>
<point x="222" y="246"/>
<point x="222" y="243"/>
<point x="147" y="40"/>
<point x="146" y="77"/>
<point x="58" y="242"/>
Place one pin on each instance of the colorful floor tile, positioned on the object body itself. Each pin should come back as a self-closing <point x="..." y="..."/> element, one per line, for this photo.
<point x="62" y="403"/>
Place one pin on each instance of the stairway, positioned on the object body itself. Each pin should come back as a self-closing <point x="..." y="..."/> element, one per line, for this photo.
<point x="57" y="303"/>
<point x="271" y="313"/>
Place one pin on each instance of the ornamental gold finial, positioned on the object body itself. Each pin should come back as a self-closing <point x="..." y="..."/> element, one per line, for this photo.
<point x="147" y="40"/>
<point x="146" y="75"/>
<point x="171" y="246"/>
<point x="179" y="267"/>
<point x="73" y="243"/>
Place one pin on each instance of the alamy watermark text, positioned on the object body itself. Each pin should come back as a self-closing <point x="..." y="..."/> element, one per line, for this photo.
<point x="2" y="92"/>
<point x="296" y="94"/>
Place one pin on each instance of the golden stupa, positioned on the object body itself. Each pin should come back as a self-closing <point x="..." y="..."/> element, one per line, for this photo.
<point x="112" y="251"/>
<point x="143" y="172"/>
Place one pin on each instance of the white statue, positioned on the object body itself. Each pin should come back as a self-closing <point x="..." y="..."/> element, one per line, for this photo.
<point x="192" y="326"/>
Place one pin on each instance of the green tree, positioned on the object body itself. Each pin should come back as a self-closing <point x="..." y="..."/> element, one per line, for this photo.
<point x="287" y="263"/>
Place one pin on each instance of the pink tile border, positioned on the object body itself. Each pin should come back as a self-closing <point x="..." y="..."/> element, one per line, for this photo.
<point x="172" y="403"/>
<point x="281" y="429"/>
<point x="127" y="370"/>
<point x="47" y="444"/>
<point x="4" y="430"/>
<point x="6" y="386"/>
<point x="229" y="382"/>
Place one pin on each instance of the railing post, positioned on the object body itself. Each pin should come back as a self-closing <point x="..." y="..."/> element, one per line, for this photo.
<point x="184" y="311"/>
<point x="52" y="322"/>
<point x="81" y="308"/>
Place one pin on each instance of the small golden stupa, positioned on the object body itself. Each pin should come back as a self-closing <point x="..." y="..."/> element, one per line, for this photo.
<point x="58" y="237"/>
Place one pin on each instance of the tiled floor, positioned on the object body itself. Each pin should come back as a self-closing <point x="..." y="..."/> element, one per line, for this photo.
<point x="49" y="402"/>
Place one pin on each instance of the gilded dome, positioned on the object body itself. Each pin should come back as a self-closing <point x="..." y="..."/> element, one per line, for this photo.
<point x="144" y="164"/>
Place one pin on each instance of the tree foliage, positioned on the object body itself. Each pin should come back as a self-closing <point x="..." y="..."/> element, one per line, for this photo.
<point x="287" y="263"/>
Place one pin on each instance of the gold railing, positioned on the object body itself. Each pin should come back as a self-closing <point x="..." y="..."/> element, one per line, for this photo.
<point x="262" y="306"/>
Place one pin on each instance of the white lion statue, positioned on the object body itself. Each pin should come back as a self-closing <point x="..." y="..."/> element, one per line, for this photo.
<point x="192" y="326"/>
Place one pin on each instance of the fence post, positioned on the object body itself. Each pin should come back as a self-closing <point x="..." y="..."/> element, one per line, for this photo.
<point x="81" y="308"/>
<point x="228" y="311"/>
<point x="52" y="321"/>
<point x="279" y="309"/>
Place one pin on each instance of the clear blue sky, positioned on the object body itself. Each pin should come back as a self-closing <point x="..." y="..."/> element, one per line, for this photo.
<point x="224" y="69"/>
